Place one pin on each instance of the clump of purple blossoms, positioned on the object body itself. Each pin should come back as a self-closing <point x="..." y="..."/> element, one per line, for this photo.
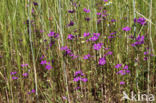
<point x="68" y="51"/>
<point x="78" y="76"/>
<point x="124" y="70"/>
<point x="53" y="34"/>
<point x="70" y="36"/>
<point x="126" y="28"/>
<point x="118" y="66"/>
<point x="97" y="46"/>
<point x="87" y="56"/>
<point x="24" y="65"/>
<point x="71" y="11"/>
<point x="102" y="61"/>
<point x="86" y="34"/>
<point x="141" y="21"/>
<point x="86" y="10"/>
<point x="139" y="41"/>
<point x="71" y="23"/>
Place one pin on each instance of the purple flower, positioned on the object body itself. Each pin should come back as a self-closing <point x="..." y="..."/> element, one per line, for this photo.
<point x="86" y="10"/>
<point x="87" y="19"/>
<point x="126" y="28"/>
<point x="64" y="97"/>
<point x="98" y="13"/>
<point x="125" y="67"/>
<point x="86" y="56"/>
<point x="105" y="0"/>
<point x="96" y="34"/>
<point x="97" y="46"/>
<point x="113" y="20"/>
<point x="86" y="34"/>
<point x="70" y="36"/>
<point x="33" y="91"/>
<point x="84" y="79"/>
<point x="122" y="82"/>
<point x="13" y="73"/>
<point x="118" y="66"/>
<point x="35" y="3"/>
<point x="141" y="21"/>
<point x="102" y="61"/>
<point x="94" y="38"/>
<point x="48" y="67"/>
<point x="71" y="11"/>
<point x="78" y="72"/>
<point x="14" y="78"/>
<point x="24" y="65"/>
<point x="25" y="74"/>
<point x="71" y="23"/>
<point x="77" y="79"/>
<point x="43" y="62"/>
<point x="51" y="34"/>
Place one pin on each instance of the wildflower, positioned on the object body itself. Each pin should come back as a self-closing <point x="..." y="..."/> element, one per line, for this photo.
<point x="86" y="34"/>
<point x="86" y="56"/>
<point x="64" y="97"/>
<point x="113" y="20"/>
<point x="87" y="19"/>
<point x="70" y="36"/>
<point x="122" y="82"/>
<point x="96" y="34"/>
<point x="105" y="0"/>
<point x="25" y="74"/>
<point x="35" y="3"/>
<point x="71" y="23"/>
<point x="48" y="67"/>
<point x="51" y="34"/>
<point x="125" y="67"/>
<point x="77" y="79"/>
<point x="94" y="38"/>
<point x="86" y="10"/>
<point x="71" y="11"/>
<point x="102" y="61"/>
<point x="84" y="79"/>
<point x="78" y="72"/>
<point x="14" y="78"/>
<point x="13" y="73"/>
<point x="24" y="65"/>
<point x="33" y="91"/>
<point x="141" y="21"/>
<point x="126" y="28"/>
<point x="98" y="13"/>
<point x="97" y="46"/>
<point x="43" y="62"/>
<point x="118" y="66"/>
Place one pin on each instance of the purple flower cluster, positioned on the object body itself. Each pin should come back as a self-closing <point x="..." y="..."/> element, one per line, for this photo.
<point x="78" y="76"/>
<point x="53" y="34"/>
<point x="87" y="56"/>
<point x="139" y="40"/>
<point x="124" y="70"/>
<point x="68" y="51"/>
<point x="46" y="64"/>
<point x="141" y="21"/>
<point x="70" y="36"/>
<point x="102" y="61"/>
<point x="86" y="10"/>
<point x="97" y="46"/>
<point x="126" y="28"/>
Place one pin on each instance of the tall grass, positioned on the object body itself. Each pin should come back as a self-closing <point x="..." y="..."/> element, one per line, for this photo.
<point x="24" y="29"/>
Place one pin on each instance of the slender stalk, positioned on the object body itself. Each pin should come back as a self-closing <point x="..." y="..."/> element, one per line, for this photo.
<point x="34" y="64"/>
<point x="150" y="44"/>
<point x="134" y="17"/>
<point x="63" y="63"/>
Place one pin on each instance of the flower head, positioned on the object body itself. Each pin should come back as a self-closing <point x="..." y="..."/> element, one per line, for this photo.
<point x="126" y="28"/>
